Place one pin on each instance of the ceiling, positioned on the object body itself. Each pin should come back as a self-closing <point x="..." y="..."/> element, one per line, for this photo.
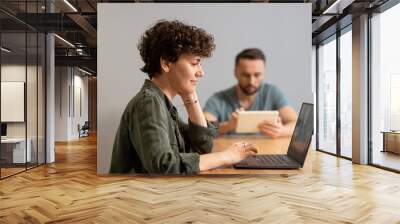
<point x="76" y="22"/>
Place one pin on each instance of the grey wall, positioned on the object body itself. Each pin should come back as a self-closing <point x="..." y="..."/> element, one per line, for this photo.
<point x="282" y="31"/>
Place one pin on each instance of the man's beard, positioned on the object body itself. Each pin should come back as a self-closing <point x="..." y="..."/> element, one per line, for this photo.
<point x="247" y="91"/>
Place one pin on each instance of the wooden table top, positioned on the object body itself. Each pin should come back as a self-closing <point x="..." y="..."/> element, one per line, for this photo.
<point x="264" y="146"/>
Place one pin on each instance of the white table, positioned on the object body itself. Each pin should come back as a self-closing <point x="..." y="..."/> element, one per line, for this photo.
<point x="18" y="148"/>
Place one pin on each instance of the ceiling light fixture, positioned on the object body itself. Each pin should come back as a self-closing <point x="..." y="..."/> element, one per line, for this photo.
<point x="5" y="50"/>
<point x="331" y="7"/>
<point x="65" y="41"/>
<point x="337" y="7"/>
<point x="79" y="51"/>
<point x="70" y="5"/>
<point x="84" y="71"/>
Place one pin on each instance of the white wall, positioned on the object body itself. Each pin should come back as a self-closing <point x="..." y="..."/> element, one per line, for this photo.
<point x="61" y="103"/>
<point x="282" y="31"/>
<point x="67" y="81"/>
<point x="80" y="83"/>
<point x="13" y="80"/>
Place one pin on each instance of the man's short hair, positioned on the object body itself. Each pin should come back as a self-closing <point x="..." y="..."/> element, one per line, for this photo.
<point x="250" y="53"/>
<point x="169" y="40"/>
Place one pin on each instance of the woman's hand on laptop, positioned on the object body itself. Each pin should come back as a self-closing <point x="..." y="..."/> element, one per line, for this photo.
<point x="270" y="129"/>
<point x="238" y="152"/>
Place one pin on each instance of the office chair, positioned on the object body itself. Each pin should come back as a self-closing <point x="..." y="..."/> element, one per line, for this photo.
<point x="84" y="130"/>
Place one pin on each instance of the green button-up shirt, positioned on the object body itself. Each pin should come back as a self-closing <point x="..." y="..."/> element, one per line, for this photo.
<point x="152" y="139"/>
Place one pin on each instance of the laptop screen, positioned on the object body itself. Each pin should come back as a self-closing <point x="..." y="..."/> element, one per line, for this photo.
<point x="302" y="134"/>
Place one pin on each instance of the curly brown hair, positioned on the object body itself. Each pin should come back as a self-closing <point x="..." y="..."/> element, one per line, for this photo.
<point x="169" y="40"/>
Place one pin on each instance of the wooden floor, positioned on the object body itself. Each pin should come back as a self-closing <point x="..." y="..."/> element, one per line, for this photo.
<point x="69" y="191"/>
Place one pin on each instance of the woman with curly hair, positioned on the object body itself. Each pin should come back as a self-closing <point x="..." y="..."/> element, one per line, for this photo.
<point x="151" y="138"/>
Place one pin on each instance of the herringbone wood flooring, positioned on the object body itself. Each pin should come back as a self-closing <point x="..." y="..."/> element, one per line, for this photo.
<point x="69" y="191"/>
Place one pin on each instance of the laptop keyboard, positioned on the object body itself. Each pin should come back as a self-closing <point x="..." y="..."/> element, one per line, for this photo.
<point x="273" y="160"/>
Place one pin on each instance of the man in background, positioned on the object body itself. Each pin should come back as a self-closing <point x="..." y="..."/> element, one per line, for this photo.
<point x="250" y="93"/>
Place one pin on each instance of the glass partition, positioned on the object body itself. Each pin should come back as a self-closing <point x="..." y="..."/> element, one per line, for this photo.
<point x="22" y="77"/>
<point x="13" y="95"/>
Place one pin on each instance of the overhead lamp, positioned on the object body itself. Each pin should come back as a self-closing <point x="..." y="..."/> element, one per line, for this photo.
<point x="337" y="7"/>
<point x="84" y="71"/>
<point x="80" y="51"/>
<point x="5" y="50"/>
<point x="70" y="5"/>
<point x="64" y="40"/>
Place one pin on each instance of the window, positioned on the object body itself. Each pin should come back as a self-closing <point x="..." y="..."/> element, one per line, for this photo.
<point x="346" y="93"/>
<point x="327" y="96"/>
<point x="385" y="89"/>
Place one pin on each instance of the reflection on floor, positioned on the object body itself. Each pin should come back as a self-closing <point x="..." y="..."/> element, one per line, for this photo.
<point x="346" y="152"/>
<point x="387" y="159"/>
<point x="11" y="169"/>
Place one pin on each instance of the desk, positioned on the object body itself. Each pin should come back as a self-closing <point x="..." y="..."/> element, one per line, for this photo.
<point x="391" y="141"/>
<point x="264" y="146"/>
<point x="13" y="150"/>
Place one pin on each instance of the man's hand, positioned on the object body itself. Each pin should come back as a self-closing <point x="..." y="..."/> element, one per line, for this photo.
<point x="233" y="119"/>
<point x="271" y="129"/>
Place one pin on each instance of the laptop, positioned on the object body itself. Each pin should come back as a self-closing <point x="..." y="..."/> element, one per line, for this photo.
<point x="298" y="147"/>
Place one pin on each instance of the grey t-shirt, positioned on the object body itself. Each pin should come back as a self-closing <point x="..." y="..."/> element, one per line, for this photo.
<point x="223" y="103"/>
